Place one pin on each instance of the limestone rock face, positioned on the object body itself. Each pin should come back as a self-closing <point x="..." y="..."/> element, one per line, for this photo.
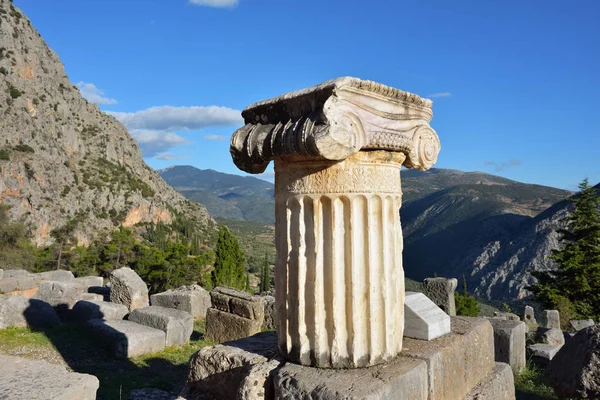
<point x="67" y="154"/>
<point x="21" y="311"/>
<point x="127" y="288"/>
<point x="22" y="378"/>
<point x="575" y="369"/>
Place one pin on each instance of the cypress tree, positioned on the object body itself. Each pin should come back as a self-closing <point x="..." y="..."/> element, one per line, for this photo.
<point x="576" y="281"/>
<point x="229" y="268"/>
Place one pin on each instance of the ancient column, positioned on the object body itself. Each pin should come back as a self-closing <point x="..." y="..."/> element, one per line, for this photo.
<point x="338" y="148"/>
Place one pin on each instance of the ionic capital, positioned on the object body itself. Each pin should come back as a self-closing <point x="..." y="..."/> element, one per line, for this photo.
<point x="335" y="120"/>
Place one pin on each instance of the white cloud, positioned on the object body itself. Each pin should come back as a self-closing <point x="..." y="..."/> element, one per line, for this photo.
<point x="215" y="3"/>
<point x="170" y="157"/>
<point x="91" y="93"/>
<point x="164" y="118"/>
<point x="438" y="95"/>
<point x="500" y="166"/>
<point x="214" y="137"/>
<point x="154" y="142"/>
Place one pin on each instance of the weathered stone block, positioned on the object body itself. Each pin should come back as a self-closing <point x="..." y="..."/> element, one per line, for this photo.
<point x="90" y="281"/>
<point x="402" y="378"/>
<point x="22" y="311"/>
<point x="251" y="309"/>
<point x="193" y="299"/>
<point x="529" y="318"/>
<point x="22" y="378"/>
<point x="458" y="361"/>
<point x="91" y="297"/>
<point x="219" y="301"/>
<point x="57" y="276"/>
<point x="574" y="372"/>
<point x="579" y="324"/>
<point x="542" y="353"/>
<point x="13" y="273"/>
<point x="25" y="283"/>
<point x="85" y="310"/>
<point x="127" y="339"/>
<point x="506" y="316"/>
<point x="498" y="385"/>
<point x="552" y="336"/>
<point x="8" y="285"/>
<point x="423" y="319"/>
<point x="222" y="326"/>
<point x="126" y="287"/>
<point x="176" y="324"/>
<point x="509" y="343"/>
<point x="550" y="319"/>
<point x="270" y="321"/>
<point x="59" y="294"/>
<point x="441" y="292"/>
<point x="245" y="365"/>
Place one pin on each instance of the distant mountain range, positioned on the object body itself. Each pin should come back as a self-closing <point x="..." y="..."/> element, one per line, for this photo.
<point x="454" y="222"/>
<point x="234" y="197"/>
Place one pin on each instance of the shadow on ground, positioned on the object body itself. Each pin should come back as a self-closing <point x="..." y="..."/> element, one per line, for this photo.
<point x="83" y="352"/>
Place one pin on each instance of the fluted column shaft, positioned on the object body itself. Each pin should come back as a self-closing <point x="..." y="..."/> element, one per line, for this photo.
<point x="339" y="276"/>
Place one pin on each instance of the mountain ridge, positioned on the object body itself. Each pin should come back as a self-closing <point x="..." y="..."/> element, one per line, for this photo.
<point x="62" y="159"/>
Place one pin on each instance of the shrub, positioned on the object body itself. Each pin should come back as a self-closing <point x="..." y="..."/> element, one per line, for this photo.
<point x="14" y="92"/>
<point x="24" y="148"/>
<point x="4" y="155"/>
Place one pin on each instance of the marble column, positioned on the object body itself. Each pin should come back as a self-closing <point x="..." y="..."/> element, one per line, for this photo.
<point x="338" y="149"/>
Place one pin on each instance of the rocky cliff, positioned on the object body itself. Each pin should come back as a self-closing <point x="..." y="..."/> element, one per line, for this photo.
<point x="61" y="158"/>
<point x="501" y="268"/>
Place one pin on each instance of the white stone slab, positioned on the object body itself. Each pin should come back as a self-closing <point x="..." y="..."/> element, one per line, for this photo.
<point x="423" y="319"/>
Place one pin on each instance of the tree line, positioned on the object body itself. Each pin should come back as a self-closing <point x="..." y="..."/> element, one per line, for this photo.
<point x="166" y="256"/>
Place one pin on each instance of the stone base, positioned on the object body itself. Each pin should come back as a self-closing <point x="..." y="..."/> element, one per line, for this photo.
<point x="402" y="378"/>
<point x="127" y="339"/>
<point x="22" y="378"/>
<point x="498" y="385"/>
<point x="222" y="326"/>
<point x="453" y="367"/>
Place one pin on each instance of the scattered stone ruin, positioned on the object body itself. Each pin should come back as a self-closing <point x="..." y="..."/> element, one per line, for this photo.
<point x="233" y="315"/>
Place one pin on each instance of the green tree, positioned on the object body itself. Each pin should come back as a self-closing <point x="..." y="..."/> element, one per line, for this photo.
<point x="119" y="251"/>
<point x="265" y="276"/>
<point x="466" y="305"/>
<point x="575" y="284"/>
<point x="16" y="248"/>
<point x="64" y="239"/>
<point x="229" y="269"/>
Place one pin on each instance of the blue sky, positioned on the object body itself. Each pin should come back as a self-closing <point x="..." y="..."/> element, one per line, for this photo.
<point x="515" y="84"/>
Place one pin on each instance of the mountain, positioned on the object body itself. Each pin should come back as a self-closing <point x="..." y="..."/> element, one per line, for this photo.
<point x="234" y="197"/>
<point x="450" y="214"/>
<point x="454" y="222"/>
<point x="500" y="270"/>
<point x="61" y="158"/>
